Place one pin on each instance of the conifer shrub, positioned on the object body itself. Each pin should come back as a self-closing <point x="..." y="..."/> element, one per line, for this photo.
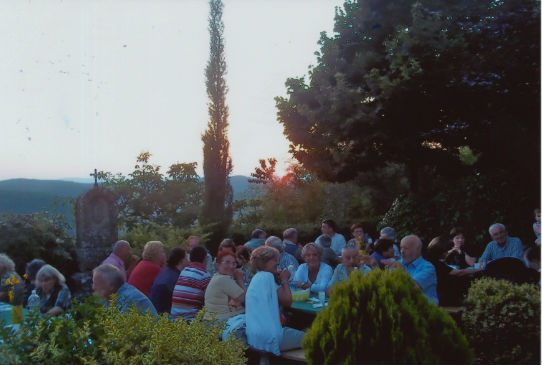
<point x="502" y="321"/>
<point x="383" y="318"/>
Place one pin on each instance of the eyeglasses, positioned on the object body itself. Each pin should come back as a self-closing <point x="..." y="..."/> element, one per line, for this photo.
<point x="227" y="262"/>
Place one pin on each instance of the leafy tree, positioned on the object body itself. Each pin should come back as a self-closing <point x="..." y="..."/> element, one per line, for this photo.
<point x="217" y="164"/>
<point x="148" y="196"/>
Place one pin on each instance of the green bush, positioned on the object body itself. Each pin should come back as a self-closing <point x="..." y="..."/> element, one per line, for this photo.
<point x="93" y="334"/>
<point x="502" y="321"/>
<point x="383" y="318"/>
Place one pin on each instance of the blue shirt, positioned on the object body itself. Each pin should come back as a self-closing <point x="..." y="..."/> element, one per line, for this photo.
<point x="162" y="289"/>
<point x="254" y="243"/>
<point x="512" y="248"/>
<point x="340" y="274"/>
<point x="423" y="272"/>
<point x="129" y="296"/>
<point x="285" y="260"/>
<point x="322" y="279"/>
<point x="337" y="243"/>
<point x="378" y="258"/>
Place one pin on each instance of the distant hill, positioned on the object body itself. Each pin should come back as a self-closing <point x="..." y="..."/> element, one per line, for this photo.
<point x="26" y="196"/>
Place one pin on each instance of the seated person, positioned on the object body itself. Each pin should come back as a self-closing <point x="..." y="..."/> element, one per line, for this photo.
<point x="502" y="245"/>
<point x="329" y="227"/>
<point x="263" y="326"/>
<point x="328" y="255"/>
<point x="188" y="294"/>
<point x="225" y="294"/>
<point x="457" y="255"/>
<point x="243" y="263"/>
<point x="122" y="252"/>
<point x="290" y="237"/>
<point x="55" y="297"/>
<point x="286" y="261"/>
<point x="31" y="270"/>
<point x="350" y="261"/>
<point x="149" y="267"/>
<point x="390" y="234"/>
<point x="108" y="280"/>
<point x="532" y="257"/>
<point x="11" y="284"/>
<point x="257" y="239"/>
<point x="383" y="252"/>
<point x="227" y="243"/>
<point x="421" y="271"/>
<point x="313" y="274"/>
<point x="362" y="239"/>
<point x="162" y="288"/>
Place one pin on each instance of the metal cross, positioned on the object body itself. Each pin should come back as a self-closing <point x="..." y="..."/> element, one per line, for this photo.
<point x="95" y="174"/>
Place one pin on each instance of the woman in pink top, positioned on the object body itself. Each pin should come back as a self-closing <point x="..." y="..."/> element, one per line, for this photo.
<point x="146" y="271"/>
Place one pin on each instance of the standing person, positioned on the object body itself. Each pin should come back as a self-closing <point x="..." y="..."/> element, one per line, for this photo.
<point x="162" y="288"/>
<point x="225" y="294"/>
<point x="314" y="273"/>
<point x="55" y="297"/>
<point x="121" y="253"/>
<point x="257" y="239"/>
<point x="291" y="245"/>
<point x="189" y="292"/>
<point x="264" y="330"/>
<point x="329" y="227"/>
<point x="457" y="256"/>
<point x="107" y="280"/>
<point x="154" y="258"/>
<point x="502" y="245"/>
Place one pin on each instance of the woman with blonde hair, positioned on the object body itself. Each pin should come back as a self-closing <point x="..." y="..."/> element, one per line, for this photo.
<point x="55" y="297"/>
<point x="10" y="282"/>
<point x="154" y="258"/>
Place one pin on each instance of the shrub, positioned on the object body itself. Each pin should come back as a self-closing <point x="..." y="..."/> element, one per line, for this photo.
<point x="93" y="334"/>
<point x="383" y="317"/>
<point x="502" y="321"/>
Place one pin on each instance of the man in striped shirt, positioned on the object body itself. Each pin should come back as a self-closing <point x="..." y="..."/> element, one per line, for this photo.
<point x="189" y="292"/>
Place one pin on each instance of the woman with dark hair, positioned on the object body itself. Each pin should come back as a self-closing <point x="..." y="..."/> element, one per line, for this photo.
<point x="162" y="287"/>
<point x="456" y="255"/>
<point x="243" y="263"/>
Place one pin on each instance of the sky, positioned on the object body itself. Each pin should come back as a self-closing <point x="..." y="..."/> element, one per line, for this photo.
<point x="91" y="84"/>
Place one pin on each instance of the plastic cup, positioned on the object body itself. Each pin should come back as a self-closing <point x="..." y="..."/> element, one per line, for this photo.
<point x="322" y="296"/>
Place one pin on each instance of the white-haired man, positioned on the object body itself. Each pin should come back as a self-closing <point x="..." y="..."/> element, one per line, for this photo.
<point x="502" y="245"/>
<point x="286" y="261"/>
<point x="122" y="252"/>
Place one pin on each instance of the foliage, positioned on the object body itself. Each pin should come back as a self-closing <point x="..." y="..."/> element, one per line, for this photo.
<point x="148" y="196"/>
<point x="383" y="318"/>
<point x="217" y="165"/>
<point x="24" y="237"/>
<point x="502" y="321"/>
<point x="93" y="334"/>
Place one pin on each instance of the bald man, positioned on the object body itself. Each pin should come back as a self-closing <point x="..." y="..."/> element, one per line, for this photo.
<point x="122" y="252"/>
<point x="421" y="271"/>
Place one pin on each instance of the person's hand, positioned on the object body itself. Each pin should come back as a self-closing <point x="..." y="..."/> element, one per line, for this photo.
<point x="284" y="275"/>
<point x="305" y="285"/>
<point x="368" y="260"/>
<point x="391" y="264"/>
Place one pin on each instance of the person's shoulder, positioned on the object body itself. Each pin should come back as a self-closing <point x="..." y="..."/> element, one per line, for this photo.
<point x="326" y="266"/>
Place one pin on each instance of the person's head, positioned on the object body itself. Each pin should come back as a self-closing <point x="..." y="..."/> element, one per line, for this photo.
<point x="290" y="234"/>
<point x="350" y="257"/>
<point x="275" y="242"/>
<point x="356" y="230"/>
<point x="265" y="258"/>
<point x="384" y="247"/>
<point x="198" y="254"/>
<point x="243" y="255"/>
<point x="312" y="254"/>
<point x="227" y="243"/>
<point x="498" y="233"/>
<point x="457" y="236"/>
<point x="226" y="262"/>
<point x="48" y="277"/>
<point x="437" y="248"/>
<point x="537" y="215"/>
<point x="32" y="269"/>
<point x="122" y="249"/>
<point x="258" y="233"/>
<point x="533" y="257"/>
<point x="388" y="233"/>
<point x="106" y="280"/>
<point x="411" y="248"/>
<point x="324" y="241"/>
<point x="329" y="227"/>
<point x="6" y="264"/>
<point x="192" y="242"/>
<point x="177" y="258"/>
<point x="154" y="252"/>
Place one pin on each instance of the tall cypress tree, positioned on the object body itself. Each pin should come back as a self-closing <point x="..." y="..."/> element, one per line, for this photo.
<point x="217" y="165"/>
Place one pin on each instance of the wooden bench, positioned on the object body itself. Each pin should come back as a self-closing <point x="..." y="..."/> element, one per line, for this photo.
<point x="297" y="355"/>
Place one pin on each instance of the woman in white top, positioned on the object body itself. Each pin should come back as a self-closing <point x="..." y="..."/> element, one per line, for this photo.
<point x="313" y="273"/>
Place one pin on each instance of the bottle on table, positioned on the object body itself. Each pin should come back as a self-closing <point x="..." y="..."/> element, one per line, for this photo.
<point x="33" y="301"/>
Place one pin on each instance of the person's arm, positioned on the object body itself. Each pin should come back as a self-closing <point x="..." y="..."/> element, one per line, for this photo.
<point x="425" y="277"/>
<point x="469" y="259"/>
<point x="238" y="278"/>
<point x="301" y="277"/>
<point x="283" y="292"/>
<point x="322" y="279"/>
<point x="334" y="280"/>
<point x="486" y="255"/>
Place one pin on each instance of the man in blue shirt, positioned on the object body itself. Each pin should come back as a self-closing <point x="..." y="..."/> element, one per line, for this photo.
<point x="502" y="245"/>
<point x="421" y="271"/>
<point x="338" y="242"/>
<point x="107" y="280"/>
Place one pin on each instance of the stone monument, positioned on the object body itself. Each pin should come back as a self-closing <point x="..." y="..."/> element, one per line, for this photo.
<point x="96" y="225"/>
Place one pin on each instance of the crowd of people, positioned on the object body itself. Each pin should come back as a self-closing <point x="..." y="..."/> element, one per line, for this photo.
<point x="249" y="285"/>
